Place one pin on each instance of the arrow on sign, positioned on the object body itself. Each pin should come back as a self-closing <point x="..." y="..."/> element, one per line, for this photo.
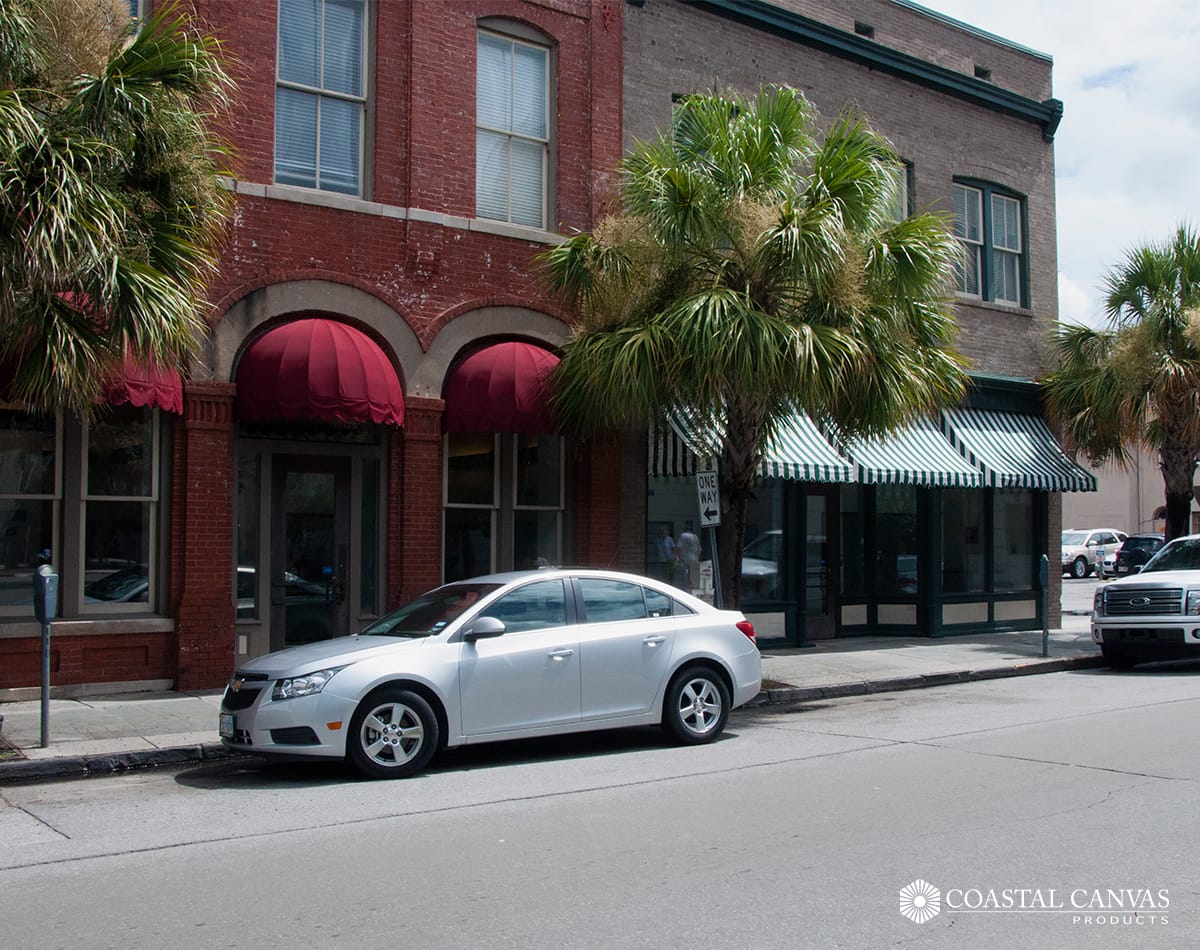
<point x="710" y="514"/>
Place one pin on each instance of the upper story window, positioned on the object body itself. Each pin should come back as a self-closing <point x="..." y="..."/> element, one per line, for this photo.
<point x="900" y="201"/>
<point x="990" y="225"/>
<point x="512" y="129"/>
<point x="320" y="94"/>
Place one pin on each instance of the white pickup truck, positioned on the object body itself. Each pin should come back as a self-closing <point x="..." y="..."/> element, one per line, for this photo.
<point x="1153" y="614"/>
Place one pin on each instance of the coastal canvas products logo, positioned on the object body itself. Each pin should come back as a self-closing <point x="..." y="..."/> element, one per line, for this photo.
<point x="920" y="901"/>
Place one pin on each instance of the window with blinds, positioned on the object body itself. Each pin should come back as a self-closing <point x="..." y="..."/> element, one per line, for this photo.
<point x="320" y="94"/>
<point x="990" y="226"/>
<point x="512" y="130"/>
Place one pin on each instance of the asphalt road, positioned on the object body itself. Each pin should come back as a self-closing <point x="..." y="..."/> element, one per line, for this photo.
<point x="798" y="829"/>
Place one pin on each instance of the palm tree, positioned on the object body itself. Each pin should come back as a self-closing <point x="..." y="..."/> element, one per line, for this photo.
<point x="111" y="207"/>
<point x="1138" y="380"/>
<point x="757" y="270"/>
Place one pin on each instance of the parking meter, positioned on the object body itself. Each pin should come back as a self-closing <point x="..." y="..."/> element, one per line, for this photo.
<point x="45" y="608"/>
<point x="45" y="593"/>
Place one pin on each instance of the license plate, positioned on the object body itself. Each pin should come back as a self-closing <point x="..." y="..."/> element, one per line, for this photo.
<point x="226" y="725"/>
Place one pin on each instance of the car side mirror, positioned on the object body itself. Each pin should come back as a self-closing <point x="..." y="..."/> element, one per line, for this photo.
<point x="483" y="628"/>
<point x="1135" y="568"/>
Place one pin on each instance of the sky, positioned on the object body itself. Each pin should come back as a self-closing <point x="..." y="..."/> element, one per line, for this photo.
<point x="1127" y="152"/>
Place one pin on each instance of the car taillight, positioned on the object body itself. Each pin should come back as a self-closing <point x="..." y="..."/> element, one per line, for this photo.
<point x="748" y="629"/>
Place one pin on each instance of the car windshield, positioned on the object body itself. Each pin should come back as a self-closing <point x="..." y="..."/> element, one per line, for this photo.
<point x="1182" y="554"/>
<point x="430" y="613"/>
<point x="1143" y="543"/>
<point x="1074" y="537"/>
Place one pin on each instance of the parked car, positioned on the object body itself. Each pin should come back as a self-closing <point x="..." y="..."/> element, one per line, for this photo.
<point x="1079" y="547"/>
<point x="1135" y="551"/>
<point x="1155" y="613"/>
<point x="505" y="656"/>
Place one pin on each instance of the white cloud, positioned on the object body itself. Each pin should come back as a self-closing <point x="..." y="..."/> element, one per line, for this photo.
<point x="1127" y="149"/>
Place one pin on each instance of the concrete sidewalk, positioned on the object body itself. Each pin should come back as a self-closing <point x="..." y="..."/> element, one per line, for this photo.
<point x="104" y="734"/>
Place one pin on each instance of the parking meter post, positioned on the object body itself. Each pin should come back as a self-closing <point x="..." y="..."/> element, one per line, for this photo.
<point x="718" y="596"/>
<point x="45" y="607"/>
<point x="1044" y="576"/>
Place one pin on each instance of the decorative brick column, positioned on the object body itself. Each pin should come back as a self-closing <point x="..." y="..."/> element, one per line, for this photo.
<point x="414" y="518"/>
<point x="597" y="515"/>
<point x="202" y="521"/>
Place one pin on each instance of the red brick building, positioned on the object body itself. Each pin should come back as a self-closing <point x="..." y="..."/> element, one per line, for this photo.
<point x="366" y="418"/>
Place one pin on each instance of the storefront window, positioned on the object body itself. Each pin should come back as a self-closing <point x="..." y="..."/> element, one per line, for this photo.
<point x="96" y="483"/>
<point x="369" y="590"/>
<point x="963" y="533"/>
<point x="28" y="502"/>
<point x="119" y="508"/>
<point x="764" y="563"/>
<point x="896" y="539"/>
<point x="1013" y="546"/>
<point x="503" y="503"/>
<point x="247" y="535"/>
<point x="854" y="563"/>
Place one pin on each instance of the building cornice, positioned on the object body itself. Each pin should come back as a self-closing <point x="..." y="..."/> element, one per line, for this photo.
<point x="801" y="29"/>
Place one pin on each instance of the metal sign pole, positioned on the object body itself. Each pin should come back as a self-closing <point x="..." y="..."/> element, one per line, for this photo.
<point x="718" y="596"/>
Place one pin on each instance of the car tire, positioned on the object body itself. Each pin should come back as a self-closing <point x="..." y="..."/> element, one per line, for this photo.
<point x="393" y="734"/>
<point x="1080" y="568"/>
<point x="696" y="706"/>
<point x="1118" y="659"/>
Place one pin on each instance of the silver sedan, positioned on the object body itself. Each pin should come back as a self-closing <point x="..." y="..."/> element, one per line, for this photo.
<point x="505" y="656"/>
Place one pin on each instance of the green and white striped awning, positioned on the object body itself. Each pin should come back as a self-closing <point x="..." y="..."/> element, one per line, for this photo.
<point x="917" y="454"/>
<point x="1014" y="450"/>
<point x="798" y="450"/>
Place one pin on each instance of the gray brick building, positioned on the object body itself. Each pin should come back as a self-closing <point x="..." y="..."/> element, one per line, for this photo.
<point x="973" y="117"/>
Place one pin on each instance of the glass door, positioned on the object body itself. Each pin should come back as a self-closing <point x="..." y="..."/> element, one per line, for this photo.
<point x="310" y="561"/>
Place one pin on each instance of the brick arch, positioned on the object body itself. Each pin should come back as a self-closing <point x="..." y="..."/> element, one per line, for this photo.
<point x="265" y="305"/>
<point x="467" y="328"/>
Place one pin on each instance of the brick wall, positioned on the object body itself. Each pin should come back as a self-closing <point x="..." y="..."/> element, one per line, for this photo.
<point x="942" y="136"/>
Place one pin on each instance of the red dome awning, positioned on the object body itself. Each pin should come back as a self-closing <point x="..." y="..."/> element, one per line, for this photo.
<point x="318" y="369"/>
<point x="146" y="385"/>
<point x="502" y="388"/>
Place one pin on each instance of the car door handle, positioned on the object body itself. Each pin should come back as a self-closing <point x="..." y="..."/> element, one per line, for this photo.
<point x="654" y="641"/>
<point x="561" y="655"/>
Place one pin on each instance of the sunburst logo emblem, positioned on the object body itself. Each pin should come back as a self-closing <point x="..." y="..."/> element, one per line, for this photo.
<point x="920" y="901"/>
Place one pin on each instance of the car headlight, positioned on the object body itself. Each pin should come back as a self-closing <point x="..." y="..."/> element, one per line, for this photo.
<point x="1098" y="602"/>
<point x="307" y="685"/>
<point x="1193" y="603"/>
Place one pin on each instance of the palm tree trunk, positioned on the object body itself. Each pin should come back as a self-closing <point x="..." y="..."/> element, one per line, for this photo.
<point x="1177" y="459"/>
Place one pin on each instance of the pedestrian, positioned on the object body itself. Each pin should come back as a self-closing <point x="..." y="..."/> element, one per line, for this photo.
<point x="666" y="553"/>
<point x="688" y="551"/>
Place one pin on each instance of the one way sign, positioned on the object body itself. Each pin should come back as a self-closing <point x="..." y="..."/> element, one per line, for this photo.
<point x="710" y="499"/>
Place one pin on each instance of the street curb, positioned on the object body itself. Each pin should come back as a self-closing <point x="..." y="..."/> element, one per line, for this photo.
<point x="82" y="766"/>
<point x="789" y="695"/>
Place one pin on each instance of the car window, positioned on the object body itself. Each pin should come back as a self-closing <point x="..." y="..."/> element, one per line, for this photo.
<point x="532" y="607"/>
<point x="1180" y="555"/>
<point x="430" y="613"/>
<point x="605" y="600"/>
<point x="1070" y="538"/>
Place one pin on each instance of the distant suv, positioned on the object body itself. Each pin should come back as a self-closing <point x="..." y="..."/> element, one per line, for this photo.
<point x="1079" y="547"/>
<point x="1135" y="551"/>
<point x="1153" y="614"/>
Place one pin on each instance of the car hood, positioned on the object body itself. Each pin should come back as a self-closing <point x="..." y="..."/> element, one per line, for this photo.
<point x="340" y="651"/>
<point x="1164" y="578"/>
